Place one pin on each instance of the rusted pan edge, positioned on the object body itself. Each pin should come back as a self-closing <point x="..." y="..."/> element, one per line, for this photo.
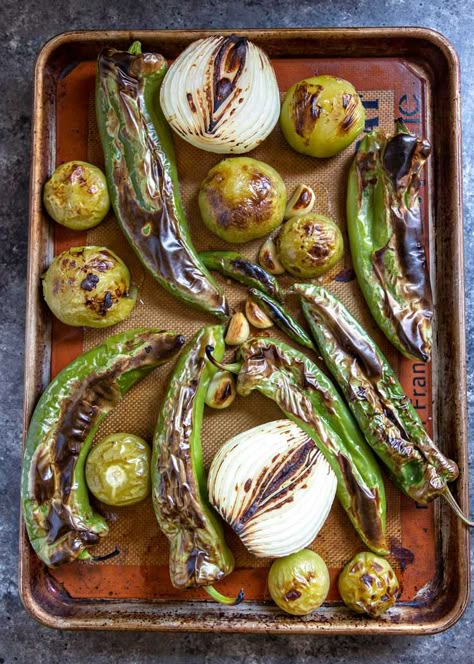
<point x="40" y="595"/>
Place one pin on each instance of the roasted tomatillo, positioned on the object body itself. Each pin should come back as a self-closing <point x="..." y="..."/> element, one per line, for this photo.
<point x="321" y="115"/>
<point x="76" y="195"/>
<point x="368" y="584"/>
<point x="118" y="469"/>
<point x="59" y="519"/>
<point x="89" y="286"/>
<point x="309" y="245"/>
<point x="242" y="199"/>
<point x="299" y="583"/>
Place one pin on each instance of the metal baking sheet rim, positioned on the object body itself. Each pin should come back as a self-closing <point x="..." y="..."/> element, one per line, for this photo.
<point x="63" y="612"/>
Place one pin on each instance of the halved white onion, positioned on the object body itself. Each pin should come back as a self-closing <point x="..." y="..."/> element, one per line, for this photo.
<point x="273" y="486"/>
<point x="221" y="95"/>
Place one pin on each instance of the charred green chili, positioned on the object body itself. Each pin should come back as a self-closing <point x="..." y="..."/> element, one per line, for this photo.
<point x="281" y="317"/>
<point x="199" y="555"/>
<point x="237" y="267"/>
<point x="307" y="396"/>
<point x="59" y="519"/>
<point x="384" y="413"/>
<point x="385" y="229"/>
<point x="142" y="177"/>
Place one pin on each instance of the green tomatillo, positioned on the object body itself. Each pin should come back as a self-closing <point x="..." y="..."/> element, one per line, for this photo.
<point x="310" y="245"/>
<point x="89" y="286"/>
<point x="242" y="199"/>
<point x="321" y="115"/>
<point x="299" y="583"/>
<point x="76" y="195"/>
<point x="118" y="470"/>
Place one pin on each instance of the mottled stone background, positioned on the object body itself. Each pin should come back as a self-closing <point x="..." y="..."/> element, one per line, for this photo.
<point x="24" y="27"/>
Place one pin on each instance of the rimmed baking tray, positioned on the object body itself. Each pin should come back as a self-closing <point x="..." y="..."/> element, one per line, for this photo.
<point x="407" y="72"/>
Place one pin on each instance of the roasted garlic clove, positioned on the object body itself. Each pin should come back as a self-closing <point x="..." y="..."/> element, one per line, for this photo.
<point x="268" y="257"/>
<point x="301" y="202"/>
<point x="238" y="330"/>
<point x="221" y="391"/>
<point x="256" y="316"/>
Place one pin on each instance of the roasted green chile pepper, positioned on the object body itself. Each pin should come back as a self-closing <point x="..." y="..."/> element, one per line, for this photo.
<point x="386" y="416"/>
<point x="281" y="317"/>
<point x="199" y="555"/>
<point x="385" y="229"/>
<point x="142" y="177"/>
<point x="59" y="519"/>
<point x="308" y="397"/>
<point x="234" y="265"/>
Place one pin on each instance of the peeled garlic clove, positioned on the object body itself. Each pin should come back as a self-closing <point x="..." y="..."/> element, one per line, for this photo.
<point x="301" y="202"/>
<point x="221" y="391"/>
<point x="268" y="257"/>
<point x="256" y="316"/>
<point x="238" y="330"/>
<point x="273" y="486"/>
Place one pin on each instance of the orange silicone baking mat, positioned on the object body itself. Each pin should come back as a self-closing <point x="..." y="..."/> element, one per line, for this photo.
<point x="389" y="89"/>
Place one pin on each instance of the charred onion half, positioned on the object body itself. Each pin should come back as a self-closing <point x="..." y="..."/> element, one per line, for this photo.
<point x="273" y="486"/>
<point x="221" y="95"/>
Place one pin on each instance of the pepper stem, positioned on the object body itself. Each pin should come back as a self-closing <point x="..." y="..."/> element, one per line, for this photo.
<point x="448" y="496"/>
<point x="223" y="599"/>
<point x="233" y="367"/>
<point x="106" y="556"/>
<point x="135" y="48"/>
<point x="400" y="126"/>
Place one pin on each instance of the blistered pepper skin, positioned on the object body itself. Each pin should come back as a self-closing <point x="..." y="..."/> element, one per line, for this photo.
<point x="306" y="396"/>
<point x="386" y="416"/>
<point x="237" y="267"/>
<point x="60" y="521"/>
<point x="385" y="228"/>
<point x="281" y="317"/>
<point x="141" y="174"/>
<point x="199" y="555"/>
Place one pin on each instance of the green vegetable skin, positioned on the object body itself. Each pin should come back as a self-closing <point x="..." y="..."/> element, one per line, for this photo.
<point x="306" y="396"/>
<point x="89" y="286"/>
<point x="281" y="317"/>
<point x="309" y="245"/>
<point x="321" y="115"/>
<point x="385" y="415"/>
<point x="368" y="584"/>
<point x="199" y="555"/>
<point x="386" y="238"/>
<point x="142" y="178"/>
<point x="234" y="265"/>
<point x="118" y="469"/>
<point x="242" y="199"/>
<point x="59" y="519"/>
<point x="299" y="583"/>
<point x="76" y="195"/>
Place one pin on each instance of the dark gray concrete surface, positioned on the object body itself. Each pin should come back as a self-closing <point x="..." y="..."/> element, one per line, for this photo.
<point x="24" y="27"/>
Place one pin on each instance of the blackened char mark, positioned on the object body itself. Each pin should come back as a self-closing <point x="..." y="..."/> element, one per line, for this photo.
<point x="90" y="282"/>
<point x="305" y="109"/>
<point x="398" y="155"/>
<point x="351" y="342"/>
<point x="228" y="65"/>
<point x="253" y="271"/>
<point x="350" y="104"/>
<point x="365" y="505"/>
<point x="296" y="466"/>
